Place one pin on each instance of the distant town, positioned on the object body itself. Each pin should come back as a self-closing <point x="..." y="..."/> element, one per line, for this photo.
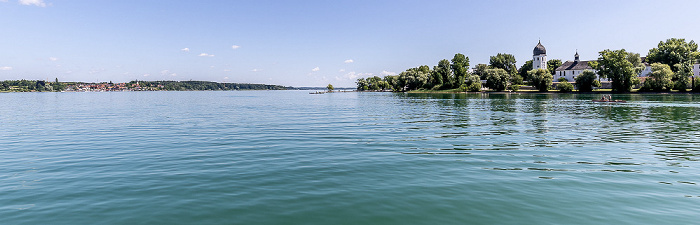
<point x="56" y="86"/>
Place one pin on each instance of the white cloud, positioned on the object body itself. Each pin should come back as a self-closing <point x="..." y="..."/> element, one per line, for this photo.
<point x="225" y="78"/>
<point x="53" y="58"/>
<point x="39" y="3"/>
<point x="341" y="70"/>
<point x="167" y="72"/>
<point x="353" y="75"/>
<point x="205" y="54"/>
<point x="315" y="69"/>
<point x="387" y="73"/>
<point x="227" y="70"/>
<point x="148" y="74"/>
<point x="349" y="61"/>
<point x="3" y="0"/>
<point x="235" y="47"/>
<point x="185" y="49"/>
<point x="255" y="70"/>
<point x="5" y="68"/>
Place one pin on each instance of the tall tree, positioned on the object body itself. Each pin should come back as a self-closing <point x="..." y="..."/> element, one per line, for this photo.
<point x="614" y="64"/>
<point x="460" y="68"/>
<point x="504" y="61"/>
<point x="673" y="51"/>
<point x="659" y="79"/>
<point x="480" y="70"/>
<point x="443" y="72"/>
<point x="586" y="81"/>
<point x="497" y="79"/>
<point x="524" y="69"/>
<point x="552" y="65"/>
<point x="540" y="79"/>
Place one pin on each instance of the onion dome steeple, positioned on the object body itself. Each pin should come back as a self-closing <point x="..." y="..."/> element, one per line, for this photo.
<point x="539" y="49"/>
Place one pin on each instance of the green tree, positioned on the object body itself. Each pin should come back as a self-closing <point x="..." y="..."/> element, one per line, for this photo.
<point x="614" y="64"/>
<point x="586" y="81"/>
<point x="497" y="79"/>
<point x="362" y="84"/>
<point x="480" y="70"/>
<point x="329" y="87"/>
<point x="443" y="75"/>
<point x="564" y="85"/>
<point x="415" y="78"/>
<point x="395" y="82"/>
<point x="684" y="70"/>
<point x="552" y="65"/>
<point x="673" y="51"/>
<point x="473" y="83"/>
<point x="524" y="69"/>
<point x="504" y="61"/>
<point x="659" y="79"/>
<point x="540" y="79"/>
<point x="460" y="69"/>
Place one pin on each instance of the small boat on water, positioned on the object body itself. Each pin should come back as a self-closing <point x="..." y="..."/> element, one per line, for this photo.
<point x="608" y="98"/>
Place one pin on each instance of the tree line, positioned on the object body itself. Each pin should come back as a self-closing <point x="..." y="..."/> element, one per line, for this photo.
<point x="671" y="69"/>
<point x="203" y="86"/>
<point x="43" y="86"/>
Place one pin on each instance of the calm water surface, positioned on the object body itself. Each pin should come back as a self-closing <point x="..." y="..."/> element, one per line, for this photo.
<point x="287" y="157"/>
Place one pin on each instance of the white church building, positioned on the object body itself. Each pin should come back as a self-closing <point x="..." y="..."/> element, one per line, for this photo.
<point x="568" y="69"/>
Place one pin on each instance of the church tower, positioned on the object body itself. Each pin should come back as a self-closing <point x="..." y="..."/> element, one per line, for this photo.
<point x="539" y="57"/>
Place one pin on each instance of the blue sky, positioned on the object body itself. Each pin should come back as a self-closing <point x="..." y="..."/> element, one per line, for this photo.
<point x="312" y="43"/>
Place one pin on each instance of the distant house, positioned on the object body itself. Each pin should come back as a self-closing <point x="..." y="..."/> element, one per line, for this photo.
<point x="571" y="69"/>
<point x="647" y="68"/>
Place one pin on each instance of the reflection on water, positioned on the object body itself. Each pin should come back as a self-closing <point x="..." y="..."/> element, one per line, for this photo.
<point x="664" y="126"/>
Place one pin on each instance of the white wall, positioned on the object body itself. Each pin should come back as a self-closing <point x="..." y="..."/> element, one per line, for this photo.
<point x="570" y="75"/>
<point x="645" y="72"/>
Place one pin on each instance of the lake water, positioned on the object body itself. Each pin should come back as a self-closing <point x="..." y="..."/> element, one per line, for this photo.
<point x="288" y="157"/>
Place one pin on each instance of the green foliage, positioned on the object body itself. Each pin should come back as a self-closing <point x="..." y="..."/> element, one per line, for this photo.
<point x="504" y="61"/>
<point x="473" y="83"/>
<point x="680" y="78"/>
<point x="515" y="87"/>
<point x="659" y="79"/>
<point x="586" y="81"/>
<point x="516" y="79"/>
<point x="460" y="69"/>
<point x="362" y="84"/>
<point x="443" y="74"/>
<point x="497" y="79"/>
<point x="673" y="51"/>
<point x="564" y="85"/>
<point x="395" y="83"/>
<point x="540" y="79"/>
<point x="552" y="65"/>
<point x="524" y="69"/>
<point x="415" y="78"/>
<point x="329" y="87"/>
<point x="614" y="64"/>
<point x="480" y="70"/>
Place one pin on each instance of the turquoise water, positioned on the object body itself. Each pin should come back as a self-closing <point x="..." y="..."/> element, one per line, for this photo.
<point x="287" y="157"/>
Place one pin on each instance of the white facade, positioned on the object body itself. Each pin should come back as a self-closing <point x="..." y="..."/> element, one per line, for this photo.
<point x="696" y="70"/>
<point x="539" y="61"/>
<point x="570" y="75"/>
